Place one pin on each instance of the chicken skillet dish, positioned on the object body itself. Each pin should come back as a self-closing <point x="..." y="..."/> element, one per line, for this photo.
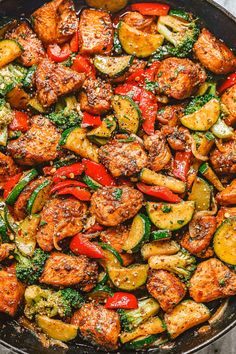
<point x="117" y="173"/>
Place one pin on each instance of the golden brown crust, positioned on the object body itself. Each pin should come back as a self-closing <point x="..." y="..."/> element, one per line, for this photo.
<point x="225" y="161"/>
<point x="229" y="100"/>
<point x="158" y="149"/>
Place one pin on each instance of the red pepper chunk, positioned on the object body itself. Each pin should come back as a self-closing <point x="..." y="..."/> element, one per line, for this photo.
<point x="82" y="64"/>
<point x="159" y="192"/>
<point x="130" y="90"/>
<point x="68" y="172"/>
<point x="67" y="183"/>
<point x="74" y="43"/>
<point x="98" y="172"/>
<point x="57" y="53"/>
<point x="79" y="245"/>
<point x="80" y="194"/>
<point x="94" y="228"/>
<point x="138" y="77"/>
<point x="148" y="106"/>
<point x="182" y="163"/>
<point x="90" y="120"/>
<point x="151" y="72"/>
<point x="122" y="301"/>
<point x="20" y="122"/>
<point x="151" y="8"/>
<point x="10" y="184"/>
<point x="230" y="81"/>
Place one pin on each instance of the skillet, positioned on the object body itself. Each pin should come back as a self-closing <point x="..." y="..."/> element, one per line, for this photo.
<point x="19" y="340"/>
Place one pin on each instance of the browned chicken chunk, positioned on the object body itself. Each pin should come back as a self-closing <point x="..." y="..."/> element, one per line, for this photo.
<point x="159" y="151"/>
<point x="54" y="80"/>
<point x="98" y="325"/>
<point x="55" y="22"/>
<point x="113" y="205"/>
<point x="214" y="54"/>
<point x="228" y="195"/>
<point x="229" y="100"/>
<point x="170" y="115"/>
<point x="33" y="51"/>
<point x="95" y="32"/>
<point x="37" y="145"/>
<point x="8" y="168"/>
<point x="60" y="218"/>
<point x="11" y="291"/>
<point x="136" y="65"/>
<point x="142" y="23"/>
<point x="166" y="288"/>
<point x="5" y="250"/>
<point x="177" y="137"/>
<point x="224" y="161"/>
<point x="225" y="213"/>
<point x="64" y="270"/>
<point x="178" y="78"/>
<point x="123" y="159"/>
<point x="212" y="280"/>
<point x="96" y="96"/>
<point x="115" y="236"/>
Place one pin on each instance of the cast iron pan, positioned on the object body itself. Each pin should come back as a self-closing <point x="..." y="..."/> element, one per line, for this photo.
<point x="19" y="340"/>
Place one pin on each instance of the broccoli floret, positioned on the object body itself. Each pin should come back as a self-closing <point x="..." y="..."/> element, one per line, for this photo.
<point x="28" y="270"/>
<point x="198" y="102"/>
<point x="51" y="303"/>
<point x="6" y="113"/>
<point x="67" y="113"/>
<point x="10" y="76"/>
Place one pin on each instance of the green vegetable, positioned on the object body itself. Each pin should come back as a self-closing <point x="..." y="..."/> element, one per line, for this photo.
<point x="129" y="278"/>
<point x="222" y="130"/>
<point x="105" y="130"/>
<point x="9" y="51"/>
<point x="210" y="175"/>
<point x="160" y="235"/>
<point x="38" y="197"/>
<point x="6" y="114"/>
<point x="3" y="135"/>
<point x="3" y="230"/>
<point x="201" y="194"/>
<point x="25" y="238"/>
<point x="91" y="183"/>
<point x="27" y="82"/>
<point x="117" y="193"/>
<point x="116" y="44"/>
<point x="112" y="256"/>
<point x="11" y="225"/>
<point x="100" y="293"/>
<point x="112" y="66"/>
<point x="57" y="329"/>
<point x="225" y="241"/>
<point x="10" y="76"/>
<point x="181" y="14"/>
<point x="198" y="102"/>
<point x="142" y="342"/>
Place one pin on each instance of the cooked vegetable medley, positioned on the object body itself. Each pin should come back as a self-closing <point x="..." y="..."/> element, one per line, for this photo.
<point x="117" y="173"/>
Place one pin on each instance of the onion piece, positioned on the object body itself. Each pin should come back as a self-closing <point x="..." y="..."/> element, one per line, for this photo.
<point x="219" y="313"/>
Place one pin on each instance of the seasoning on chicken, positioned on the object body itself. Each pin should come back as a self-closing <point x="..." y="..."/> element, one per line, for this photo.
<point x="96" y="96"/>
<point x="212" y="280"/>
<point x="60" y="218"/>
<point x="123" y="158"/>
<point x="170" y="115"/>
<point x="159" y="152"/>
<point x="54" y="80"/>
<point x="33" y="51"/>
<point x="95" y="32"/>
<point x="98" y="325"/>
<point x="8" y="168"/>
<point x="37" y="145"/>
<point x="64" y="270"/>
<point x="225" y="213"/>
<point x="166" y="288"/>
<point x="133" y="68"/>
<point x="115" y="236"/>
<point x="228" y="195"/>
<point x="228" y="99"/>
<point x="178" y="78"/>
<point x="176" y="137"/>
<point x="224" y="160"/>
<point x="6" y="250"/>
<point x="214" y="54"/>
<point x="55" y="22"/>
<point x="114" y="205"/>
<point x="142" y="23"/>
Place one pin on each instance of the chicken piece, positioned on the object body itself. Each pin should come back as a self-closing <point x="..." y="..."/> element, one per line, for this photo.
<point x="96" y="97"/>
<point x="176" y="136"/>
<point x="224" y="160"/>
<point x="98" y="325"/>
<point x="60" y="218"/>
<point x="39" y="144"/>
<point x="63" y="270"/>
<point x="32" y="48"/>
<point x="55" y="22"/>
<point x="159" y="152"/>
<point x="142" y="23"/>
<point x="225" y="213"/>
<point x="54" y="80"/>
<point x="212" y="280"/>
<point x="207" y="253"/>
<point x="21" y="202"/>
<point x="204" y="227"/>
<point x="95" y="32"/>
<point x="123" y="159"/>
<point x="170" y="115"/>
<point x="228" y="99"/>
<point x="113" y="205"/>
<point x="115" y="236"/>
<point x="166" y="288"/>
<point x="11" y="291"/>
<point x="228" y="195"/>
<point x="5" y="250"/>
<point x="178" y="78"/>
<point x="8" y="168"/>
<point x="213" y="54"/>
<point x="134" y="67"/>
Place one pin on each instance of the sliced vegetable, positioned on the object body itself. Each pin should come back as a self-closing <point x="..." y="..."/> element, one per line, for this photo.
<point x="91" y="183"/>
<point x="26" y="235"/>
<point x="90" y="121"/>
<point x="151" y="8"/>
<point x="230" y="81"/>
<point x="35" y="106"/>
<point x="78" y="193"/>
<point x="69" y="171"/>
<point x="100" y="294"/>
<point x="225" y="241"/>
<point x="67" y="183"/>
<point x="3" y="230"/>
<point x="98" y="173"/>
<point x="112" y="66"/>
<point x="11" y="225"/>
<point x="3" y="135"/>
<point x="57" y="329"/>
<point x="80" y="245"/>
<point x="39" y="197"/>
<point x="182" y="164"/>
<point x="9" y="51"/>
<point x="108" y="5"/>
<point x="18" y="98"/>
<point x="159" y="192"/>
<point x="58" y="54"/>
<point x="221" y="130"/>
<point x="82" y="64"/>
<point x="8" y="186"/>
<point x="159" y="248"/>
<point x="20" y="122"/>
<point x="128" y="278"/>
<point x="158" y="235"/>
<point x="201" y="194"/>
<point x="148" y="107"/>
<point x="210" y="175"/>
<point x="142" y="342"/>
<point x="112" y="257"/>
<point x="105" y="130"/>
<point x="122" y="301"/>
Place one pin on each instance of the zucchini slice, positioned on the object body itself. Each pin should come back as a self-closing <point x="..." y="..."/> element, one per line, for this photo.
<point x="142" y="342"/>
<point x="57" y="329"/>
<point x="74" y="139"/>
<point x="91" y="183"/>
<point x="201" y="194"/>
<point x="112" y="257"/>
<point x="180" y="214"/>
<point x="210" y="175"/>
<point x="112" y="66"/>
<point x="157" y="179"/>
<point x="158" y="235"/>
<point x="3" y="135"/>
<point x="204" y="118"/>
<point x="35" y="106"/>
<point x="138" y="43"/>
<point x="224" y="241"/>
<point x="127" y="113"/>
<point x="159" y="248"/>
<point x="14" y="194"/>
<point x="10" y="222"/>
<point x="26" y="236"/>
<point x="102" y="278"/>
<point x="100" y="294"/>
<point x="108" y="5"/>
<point x="185" y="315"/>
<point x="9" y="51"/>
<point x="138" y="234"/>
<point x="128" y="278"/>
<point x="222" y="130"/>
<point x="105" y="130"/>
<point x="38" y="198"/>
<point x="3" y="230"/>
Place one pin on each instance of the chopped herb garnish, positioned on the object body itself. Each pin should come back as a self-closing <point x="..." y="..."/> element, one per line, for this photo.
<point x="166" y="208"/>
<point x="180" y="222"/>
<point x="117" y="194"/>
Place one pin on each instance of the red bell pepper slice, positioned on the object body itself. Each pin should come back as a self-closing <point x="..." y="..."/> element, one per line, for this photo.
<point x="20" y="122"/>
<point x="159" y="192"/>
<point x="151" y="8"/>
<point x="68" y="172"/>
<point x="122" y="301"/>
<point x="82" y="64"/>
<point x="90" y="120"/>
<point x="138" y="77"/>
<point x="230" y="81"/>
<point x="148" y="106"/>
<point x="94" y="228"/>
<point x="151" y="72"/>
<point x="10" y="184"/>
<point x="57" y="53"/>
<point x="74" y="43"/>
<point x="80" y="245"/>
<point x="130" y="90"/>
<point x="80" y="194"/>
<point x="182" y="163"/>
<point x="67" y="183"/>
<point x="98" y="172"/>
